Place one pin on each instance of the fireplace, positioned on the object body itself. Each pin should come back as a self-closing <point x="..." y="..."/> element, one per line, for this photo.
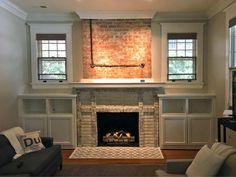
<point x="118" y="128"/>
<point x="141" y="102"/>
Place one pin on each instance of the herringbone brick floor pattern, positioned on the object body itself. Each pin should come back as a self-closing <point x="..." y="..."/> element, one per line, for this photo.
<point x="117" y="153"/>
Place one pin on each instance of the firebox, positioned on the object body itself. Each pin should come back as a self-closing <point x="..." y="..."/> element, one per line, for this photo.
<point x="118" y="128"/>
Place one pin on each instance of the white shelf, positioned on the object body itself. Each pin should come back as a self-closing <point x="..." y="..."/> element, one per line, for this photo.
<point x="200" y="106"/>
<point x="34" y="106"/>
<point x="81" y="85"/>
<point x="60" y="106"/>
<point x="186" y="121"/>
<point x="174" y="106"/>
<point x="53" y="114"/>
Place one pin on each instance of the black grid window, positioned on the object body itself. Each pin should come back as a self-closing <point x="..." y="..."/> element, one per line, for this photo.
<point x="181" y="60"/>
<point x="52" y="57"/>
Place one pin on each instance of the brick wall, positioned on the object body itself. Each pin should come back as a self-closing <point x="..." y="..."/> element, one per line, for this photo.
<point x="117" y="42"/>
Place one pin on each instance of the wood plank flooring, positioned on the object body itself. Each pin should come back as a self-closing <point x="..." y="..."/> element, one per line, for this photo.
<point x="168" y="154"/>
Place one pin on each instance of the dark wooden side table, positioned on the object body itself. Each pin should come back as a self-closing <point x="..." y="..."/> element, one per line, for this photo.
<point x="226" y="122"/>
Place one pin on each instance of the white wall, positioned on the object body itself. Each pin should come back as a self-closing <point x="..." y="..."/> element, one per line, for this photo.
<point x="216" y="59"/>
<point x="13" y="66"/>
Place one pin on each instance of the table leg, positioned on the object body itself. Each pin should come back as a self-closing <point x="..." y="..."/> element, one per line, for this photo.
<point x="224" y="134"/>
<point x="219" y="132"/>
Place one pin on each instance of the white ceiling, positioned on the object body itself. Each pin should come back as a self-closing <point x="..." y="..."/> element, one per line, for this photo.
<point x="169" y="6"/>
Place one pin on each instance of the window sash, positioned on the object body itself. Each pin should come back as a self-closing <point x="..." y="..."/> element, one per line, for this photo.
<point x="193" y="74"/>
<point x="52" y="52"/>
<point x="42" y="75"/>
<point x="183" y="49"/>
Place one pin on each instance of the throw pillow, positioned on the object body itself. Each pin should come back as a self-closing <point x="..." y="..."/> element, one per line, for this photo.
<point x="31" y="141"/>
<point x="223" y="149"/>
<point x="205" y="164"/>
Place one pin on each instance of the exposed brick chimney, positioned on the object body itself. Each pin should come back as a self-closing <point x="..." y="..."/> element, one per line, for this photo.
<point x="119" y="48"/>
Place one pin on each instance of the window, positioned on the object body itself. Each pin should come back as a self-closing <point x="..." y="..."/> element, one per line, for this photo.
<point x="181" y="56"/>
<point x="232" y="43"/>
<point x="232" y="56"/>
<point x="51" y="56"/>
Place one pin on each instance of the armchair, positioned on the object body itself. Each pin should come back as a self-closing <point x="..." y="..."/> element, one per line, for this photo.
<point x="178" y="167"/>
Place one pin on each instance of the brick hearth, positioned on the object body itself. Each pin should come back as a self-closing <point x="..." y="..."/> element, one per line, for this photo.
<point x="144" y="101"/>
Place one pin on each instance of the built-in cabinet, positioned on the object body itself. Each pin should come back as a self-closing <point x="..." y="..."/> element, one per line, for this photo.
<point x="53" y="115"/>
<point x="186" y="121"/>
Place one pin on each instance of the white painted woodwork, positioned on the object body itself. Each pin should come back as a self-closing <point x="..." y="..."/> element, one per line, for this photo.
<point x="46" y="28"/>
<point x="53" y="115"/>
<point x="186" y="121"/>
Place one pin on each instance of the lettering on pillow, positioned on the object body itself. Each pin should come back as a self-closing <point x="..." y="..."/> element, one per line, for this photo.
<point x="31" y="141"/>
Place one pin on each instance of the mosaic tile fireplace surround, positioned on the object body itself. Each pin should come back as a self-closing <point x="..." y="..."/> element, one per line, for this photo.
<point x="143" y="101"/>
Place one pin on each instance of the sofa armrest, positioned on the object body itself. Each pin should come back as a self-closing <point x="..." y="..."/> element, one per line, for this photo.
<point x="177" y="166"/>
<point x="47" y="141"/>
<point x="16" y="175"/>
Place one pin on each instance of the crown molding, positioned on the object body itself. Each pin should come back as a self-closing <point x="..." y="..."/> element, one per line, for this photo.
<point x="115" y="14"/>
<point x="219" y="7"/>
<point x="166" y="17"/>
<point x="52" y="17"/>
<point x="12" y="8"/>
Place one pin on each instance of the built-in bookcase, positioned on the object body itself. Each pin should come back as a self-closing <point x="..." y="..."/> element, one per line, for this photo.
<point x="53" y="115"/>
<point x="186" y="121"/>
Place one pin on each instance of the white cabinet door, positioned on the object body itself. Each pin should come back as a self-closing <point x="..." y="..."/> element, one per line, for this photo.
<point x="174" y="131"/>
<point x="35" y="123"/>
<point x="61" y="128"/>
<point x="199" y="130"/>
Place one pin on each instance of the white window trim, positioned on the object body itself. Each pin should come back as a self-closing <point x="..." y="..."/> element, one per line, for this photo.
<point x="57" y="28"/>
<point x="230" y="13"/>
<point x="183" y="28"/>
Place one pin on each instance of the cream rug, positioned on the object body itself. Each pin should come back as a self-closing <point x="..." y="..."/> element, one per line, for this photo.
<point x="117" y="153"/>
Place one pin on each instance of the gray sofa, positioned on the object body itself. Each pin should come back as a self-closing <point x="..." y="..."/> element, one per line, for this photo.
<point x="44" y="162"/>
<point x="178" y="167"/>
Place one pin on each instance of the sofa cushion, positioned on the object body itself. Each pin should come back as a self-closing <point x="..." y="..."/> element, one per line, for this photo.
<point x="228" y="168"/>
<point x="7" y="152"/>
<point x="206" y="163"/>
<point x="31" y="141"/>
<point x="162" y="173"/>
<point x="32" y="163"/>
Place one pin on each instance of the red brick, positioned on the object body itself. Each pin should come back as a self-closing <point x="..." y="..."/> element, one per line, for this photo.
<point x="117" y="42"/>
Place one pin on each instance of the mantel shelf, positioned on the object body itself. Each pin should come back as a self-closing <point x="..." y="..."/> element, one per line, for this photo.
<point x="117" y="85"/>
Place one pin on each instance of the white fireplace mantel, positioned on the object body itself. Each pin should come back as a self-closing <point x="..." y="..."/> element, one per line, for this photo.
<point x="117" y="83"/>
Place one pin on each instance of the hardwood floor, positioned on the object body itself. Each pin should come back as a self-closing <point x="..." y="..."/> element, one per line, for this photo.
<point x="168" y="154"/>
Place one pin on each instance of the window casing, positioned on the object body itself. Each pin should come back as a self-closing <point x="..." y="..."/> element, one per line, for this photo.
<point x="51" y="55"/>
<point x="231" y="56"/>
<point x="189" y="54"/>
<point x="181" y="61"/>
